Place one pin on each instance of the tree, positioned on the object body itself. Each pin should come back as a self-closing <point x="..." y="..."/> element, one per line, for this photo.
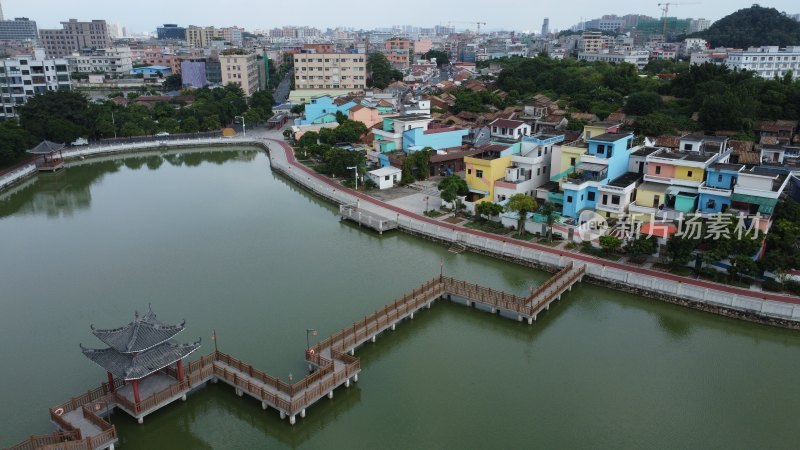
<point x="173" y="83"/>
<point x="679" y="250"/>
<point x="642" y="246"/>
<point x="742" y="265"/>
<point x="14" y="141"/>
<point x="550" y="216"/>
<point x="308" y="138"/>
<point x="379" y="71"/>
<point x="521" y="204"/>
<point x="211" y="123"/>
<point x="190" y="125"/>
<point x="488" y="209"/>
<point x="262" y="101"/>
<point x="60" y="116"/>
<point x="753" y="27"/>
<point x="441" y="57"/>
<point x="609" y="243"/>
<point x="451" y="188"/>
<point x="642" y="103"/>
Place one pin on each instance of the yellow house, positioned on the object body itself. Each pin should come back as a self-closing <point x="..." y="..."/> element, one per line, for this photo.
<point x="648" y="198"/>
<point x="483" y="169"/>
<point x="570" y="156"/>
<point x="690" y="173"/>
<point x="596" y="129"/>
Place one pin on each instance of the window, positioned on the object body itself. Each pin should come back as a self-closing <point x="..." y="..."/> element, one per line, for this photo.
<point x="572" y="162"/>
<point x="469" y="171"/>
<point x="687" y="146"/>
<point x="590" y="196"/>
<point x="658" y="170"/>
<point x="615" y="199"/>
<point x="601" y="149"/>
<point x="479" y="173"/>
<point x="386" y="178"/>
<point x="688" y="173"/>
<point x="719" y="178"/>
<point x="569" y="199"/>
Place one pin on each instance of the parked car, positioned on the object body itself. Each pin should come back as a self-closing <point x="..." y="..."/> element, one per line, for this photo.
<point x="80" y="142"/>
<point x="162" y="134"/>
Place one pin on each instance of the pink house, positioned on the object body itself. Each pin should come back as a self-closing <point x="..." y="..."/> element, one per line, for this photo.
<point x="367" y="116"/>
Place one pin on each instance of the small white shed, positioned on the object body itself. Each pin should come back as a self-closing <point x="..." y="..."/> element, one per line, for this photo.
<point x="385" y="177"/>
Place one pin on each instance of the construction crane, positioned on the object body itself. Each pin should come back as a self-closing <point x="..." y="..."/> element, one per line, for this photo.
<point x="665" y="9"/>
<point x="478" y="24"/>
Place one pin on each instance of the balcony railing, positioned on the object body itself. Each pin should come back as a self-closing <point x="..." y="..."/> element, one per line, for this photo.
<point x="705" y="189"/>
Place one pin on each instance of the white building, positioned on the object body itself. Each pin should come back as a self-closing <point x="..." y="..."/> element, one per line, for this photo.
<point x="530" y="169"/>
<point x="766" y="62"/>
<point x="638" y="58"/>
<point x="692" y="45"/>
<point x="698" y="25"/>
<point x="114" y="62"/>
<point x="385" y="177"/>
<point x="25" y="76"/>
<point x="509" y="129"/>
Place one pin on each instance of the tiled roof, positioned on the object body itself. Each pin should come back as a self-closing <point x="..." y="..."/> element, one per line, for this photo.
<point x="143" y="333"/>
<point x="136" y="366"/>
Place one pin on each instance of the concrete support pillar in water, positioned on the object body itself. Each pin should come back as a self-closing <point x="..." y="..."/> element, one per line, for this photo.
<point x="111" y="447"/>
<point x="283" y="415"/>
<point x="353" y="351"/>
<point x="292" y="419"/>
<point x="374" y="337"/>
<point x="429" y="305"/>
<point x="412" y="316"/>
<point x="530" y="320"/>
<point x="355" y="378"/>
<point x="239" y="392"/>
<point x="264" y="406"/>
<point x="140" y="420"/>
<point x="303" y="413"/>
<point x="519" y="318"/>
<point x="494" y="310"/>
<point x="347" y="383"/>
<point x="183" y="397"/>
<point x="330" y="394"/>
<point x="394" y="326"/>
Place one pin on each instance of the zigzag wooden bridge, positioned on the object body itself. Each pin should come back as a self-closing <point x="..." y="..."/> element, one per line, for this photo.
<point x="332" y="362"/>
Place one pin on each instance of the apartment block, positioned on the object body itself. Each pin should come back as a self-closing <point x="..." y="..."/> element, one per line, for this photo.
<point x="317" y="74"/>
<point x="113" y="62"/>
<point x="19" y="29"/>
<point x="25" y="76"/>
<point x="396" y="50"/>
<point x="241" y="69"/>
<point x="766" y="62"/>
<point x="201" y="37"/>
<point x="75" y="37"/>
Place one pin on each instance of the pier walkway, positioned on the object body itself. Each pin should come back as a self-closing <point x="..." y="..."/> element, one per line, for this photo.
<point x="82" y="420"/>
<point x="366" y="218"/>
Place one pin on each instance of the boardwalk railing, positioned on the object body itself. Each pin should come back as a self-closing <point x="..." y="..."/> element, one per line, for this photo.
<point x="543" y="287"/>
<point x="563" y="284"/>
<point x="36" y="442"/>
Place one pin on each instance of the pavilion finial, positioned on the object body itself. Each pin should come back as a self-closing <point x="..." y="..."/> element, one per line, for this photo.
<point x="136" y="314"/>
<point x="91" y="325"/>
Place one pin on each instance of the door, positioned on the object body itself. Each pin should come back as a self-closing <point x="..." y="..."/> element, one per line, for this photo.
<point x="656" y="200"/>
<point x="641" y="167"/>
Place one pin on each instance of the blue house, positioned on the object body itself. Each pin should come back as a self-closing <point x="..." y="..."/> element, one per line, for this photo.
<point x="715" y="192"/>
<point x="605" y="158"/>
<point x="152" y="71"/>
<point x="323" y="109"/>
<point x="439" y="138"/>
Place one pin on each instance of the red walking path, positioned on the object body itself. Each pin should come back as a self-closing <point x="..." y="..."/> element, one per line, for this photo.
<point x="289" y="152"/>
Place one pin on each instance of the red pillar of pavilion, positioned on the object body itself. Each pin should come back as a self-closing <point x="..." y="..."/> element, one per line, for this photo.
<point x="136" y="391"/>
<point x="180" y="370"/>
<point x="110" y="381"/>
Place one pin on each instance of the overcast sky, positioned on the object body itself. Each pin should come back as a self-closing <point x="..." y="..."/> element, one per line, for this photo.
<point x="520" y="15"/>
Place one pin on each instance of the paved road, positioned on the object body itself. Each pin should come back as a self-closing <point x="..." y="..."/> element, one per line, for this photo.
<point x="282" y="91"/>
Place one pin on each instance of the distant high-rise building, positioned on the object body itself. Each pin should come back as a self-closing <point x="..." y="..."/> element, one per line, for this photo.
<point x="19" y="29"/>
<point x="171" y="31"/>
<point x="2" y="17"/>
<point x="74" y="37"/>
<point x="697" y="25"/>
<point x="546" y="26"/>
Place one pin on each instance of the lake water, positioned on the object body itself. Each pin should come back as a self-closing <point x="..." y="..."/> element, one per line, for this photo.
<point x="215" y="238"/>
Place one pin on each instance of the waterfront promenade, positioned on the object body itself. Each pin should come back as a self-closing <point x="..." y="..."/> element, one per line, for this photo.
<point x="776" y="309"/>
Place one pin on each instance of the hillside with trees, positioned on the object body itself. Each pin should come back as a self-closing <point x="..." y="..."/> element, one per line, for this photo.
<point x="753" y="27"/>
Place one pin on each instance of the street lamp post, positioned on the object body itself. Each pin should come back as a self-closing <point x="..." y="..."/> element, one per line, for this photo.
<point x="312" y="332"/>
<point x="244" y="127"/>
<point x="355" y="171"/>
<point x="426" y="203"/>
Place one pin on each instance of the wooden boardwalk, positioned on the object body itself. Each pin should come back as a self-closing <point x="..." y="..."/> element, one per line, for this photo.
<point x="366" y="218"/>
<point x="333" y="362"/>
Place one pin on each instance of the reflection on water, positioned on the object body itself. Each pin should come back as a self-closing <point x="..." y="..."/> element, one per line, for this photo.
<point x="63" y="193"/>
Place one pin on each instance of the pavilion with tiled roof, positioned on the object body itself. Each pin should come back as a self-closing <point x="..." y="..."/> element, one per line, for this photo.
<point x="139" y="349"/>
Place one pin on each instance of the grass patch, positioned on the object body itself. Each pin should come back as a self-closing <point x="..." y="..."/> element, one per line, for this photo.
<point x="525" y="236"/>
<point x="600" y="254"/>
<point x="682" y="271"/>
<point x="486" y="226"/>
<point x="433" y="213"/>
<point x="551" y="243"/>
